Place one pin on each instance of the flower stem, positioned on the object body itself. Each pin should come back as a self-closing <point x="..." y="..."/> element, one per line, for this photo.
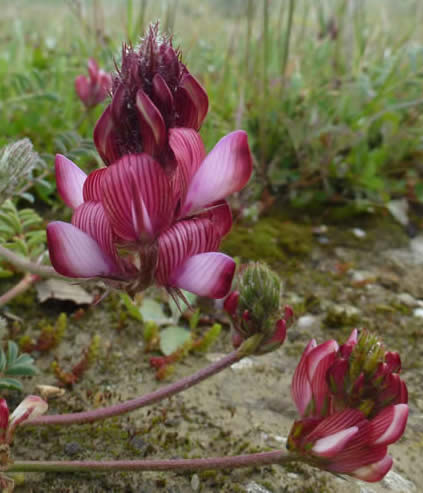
<point x="231" y="462"/>
<point x="145" y="400"/>
<point x="19" y="288"/>
<point x="23" y="264"/>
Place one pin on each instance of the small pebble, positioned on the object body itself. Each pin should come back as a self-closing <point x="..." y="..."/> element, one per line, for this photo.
<point x="359" y="233"/>
<point x="195" y="482"/>
<point x="418" y="312"/>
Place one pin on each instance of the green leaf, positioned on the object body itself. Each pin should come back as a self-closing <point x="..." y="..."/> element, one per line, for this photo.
<point x="152" y="310"/>
<point x="24" y="359"/>
<point x="3" y="360"/>
<point x="11" y="384"/>
<point x="21" y="370"/>
<point x="173" y="338"/>
<point x="12" y="352"/>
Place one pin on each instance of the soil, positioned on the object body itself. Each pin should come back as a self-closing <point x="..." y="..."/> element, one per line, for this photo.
<point x="343" y="278"/>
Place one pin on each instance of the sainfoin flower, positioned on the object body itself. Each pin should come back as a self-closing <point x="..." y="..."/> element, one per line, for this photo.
<point x="152" y="92"/>
<point x="94" y="89"/>
<point x="352" y="403"/>
<point x="135" y="224"/>
<point x="31" y="407"/>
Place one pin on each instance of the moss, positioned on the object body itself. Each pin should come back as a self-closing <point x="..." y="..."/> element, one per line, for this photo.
<point x="269" y="240"/>
<point x="339" y="316"/>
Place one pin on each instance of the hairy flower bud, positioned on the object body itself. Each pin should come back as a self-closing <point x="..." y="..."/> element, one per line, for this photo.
<point x="153" y="91"/>
<point x="254" y="308"/>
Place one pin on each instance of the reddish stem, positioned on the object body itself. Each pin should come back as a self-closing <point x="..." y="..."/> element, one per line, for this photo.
<point x="19" y="288"/>
<point x="145" y="400"/>
<point x="231" y="462"/>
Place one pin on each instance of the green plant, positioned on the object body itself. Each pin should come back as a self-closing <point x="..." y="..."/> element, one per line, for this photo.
<point x="13" y="364"/>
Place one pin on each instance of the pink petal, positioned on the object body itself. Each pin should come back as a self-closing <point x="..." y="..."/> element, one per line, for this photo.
<point x="182" y="240"/>
<point x="93" y="69"/>
<point x="137" y="197"/>
<point x="105" y="137"/>
<point x="4" y="415"/>
<point x="300" y="386"/>
<point x="74" y="253"/>
<point x="220" y="215"/>
<point x="92" y="189"/>
<point x="332" y="444"/>
<point x="69" y="180"/>
<point x="192" y="103"/>
<point x="318" y="354"/>
<point x="225" y="170"/>
<point x="152" y="125"/>
<point x="206" y="274"/>
<point x="83" y="89"/>
<point x="389" y="425"/>
<point x="91" y="218"/>
<point x="162" y="93"/>
<point x="336" y="422"/>
<point x="189" y="152"/>
<point x="374" y="472"/>
<point x="318" y="376"/>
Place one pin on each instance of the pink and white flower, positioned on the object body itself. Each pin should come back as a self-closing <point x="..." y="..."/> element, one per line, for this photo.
<point x="93" y="89"/>
<point x="352" y="405"/>
<point x="31" y="407"/>
<point x="135" y="224"/>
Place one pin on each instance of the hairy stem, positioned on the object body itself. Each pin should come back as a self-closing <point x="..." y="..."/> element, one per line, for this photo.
<point x="231" y="462"/>
<point x="24" y="284"/>
<point x="142" y="401"/>
<point x="25" y="265"/>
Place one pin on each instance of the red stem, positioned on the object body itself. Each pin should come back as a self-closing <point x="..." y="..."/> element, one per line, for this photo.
<point x="231" y="462"/>
<point x="145" y="400"/>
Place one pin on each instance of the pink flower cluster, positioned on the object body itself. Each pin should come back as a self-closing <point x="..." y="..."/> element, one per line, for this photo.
<point x="93" y="89"/>
<point x="352" y="404"/>
<point x="157" y="212"/>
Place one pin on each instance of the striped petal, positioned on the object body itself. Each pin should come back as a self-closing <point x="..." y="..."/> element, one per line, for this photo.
<point x="225" y="170"/>
<point x="189" y="152"/>
<point x="206" y="274"/>
<point x="69" y="180"/>
<point x="91" y="218"/>
<point x="389" y="425"/>
<point x="92" y="187"/>
<point x="300" y="386"/>
<point x="318" y="377"/>
<point x="182" y="240"/>
<point x="374" y="472"/>
<point x="220" y="215"/>
<point x="74" y="253"/>
<point x="105" y="137"/>
<point x="137" y="198"/>
<point x="162" y="94"/>
<point x="332" y="444"/>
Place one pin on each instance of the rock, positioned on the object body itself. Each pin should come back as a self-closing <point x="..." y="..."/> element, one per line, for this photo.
<point x="195" y="482"/>
<point x="399" y="210"/>
<point x="306" y="322"/>
<point x="63" y="290"/>
<point x="395" y="482"/>
<point x="254" y="487"/>
<point x="342" y="316"/>
<point x="416" y="245"/>
<point x="418" y="312"/>
<point x="407" y="300"/>
<point x="359" y="233"/>
<point x="72" y="449"/>
<point x="361" y="275"/>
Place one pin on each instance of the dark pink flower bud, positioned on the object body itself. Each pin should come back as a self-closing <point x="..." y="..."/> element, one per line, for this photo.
<point x="231" y="302"/>
<point x="152" y="92"/>
<point x="94" y="89"/>
<point x="351" y="407"/>
<point x="393" y="361"/>
<point x="288" y="313"/>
